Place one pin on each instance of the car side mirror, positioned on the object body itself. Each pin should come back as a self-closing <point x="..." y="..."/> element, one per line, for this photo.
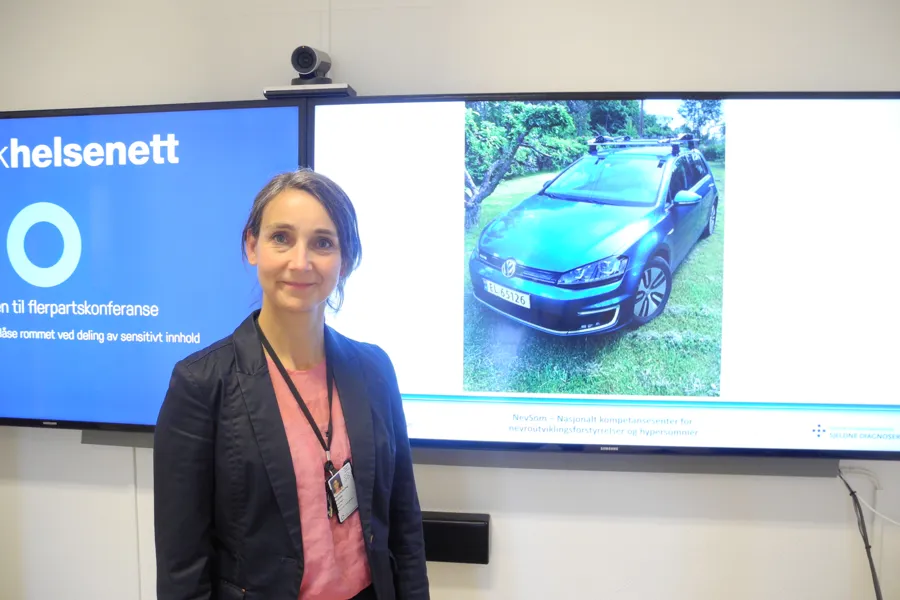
<point x="547" y="183"/>
<point x="686" y="197"/>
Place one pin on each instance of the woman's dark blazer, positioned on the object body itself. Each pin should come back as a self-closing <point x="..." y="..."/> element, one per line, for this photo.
<point x="227" y="517"/>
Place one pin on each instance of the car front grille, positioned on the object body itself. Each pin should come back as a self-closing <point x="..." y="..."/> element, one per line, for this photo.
<point x="522" y="271"/>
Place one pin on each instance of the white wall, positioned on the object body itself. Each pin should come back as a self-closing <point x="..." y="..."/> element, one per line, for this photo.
<point x="76" y="521"/>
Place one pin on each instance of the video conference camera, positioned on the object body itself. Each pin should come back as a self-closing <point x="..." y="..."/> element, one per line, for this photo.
<point x="312" y="66"/>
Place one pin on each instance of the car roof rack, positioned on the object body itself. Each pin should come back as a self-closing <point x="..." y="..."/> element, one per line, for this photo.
<point x="626" y="141"/>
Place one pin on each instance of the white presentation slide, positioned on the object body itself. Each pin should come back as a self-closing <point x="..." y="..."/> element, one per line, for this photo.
<point x="813" y="199"/>
<point x="401" y="165"/>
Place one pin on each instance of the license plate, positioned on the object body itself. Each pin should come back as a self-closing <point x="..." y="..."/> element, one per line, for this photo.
<point x="507" y="294"/>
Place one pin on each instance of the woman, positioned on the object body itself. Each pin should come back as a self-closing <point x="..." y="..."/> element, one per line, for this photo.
<point x="262" y="492"/>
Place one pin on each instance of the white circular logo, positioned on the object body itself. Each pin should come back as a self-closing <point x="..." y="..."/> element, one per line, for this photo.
<point x="31" y="215"/>
<point x="509" y="267"/>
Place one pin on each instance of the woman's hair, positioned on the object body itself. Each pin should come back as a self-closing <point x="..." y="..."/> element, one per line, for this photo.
<point x="336" y="203"/>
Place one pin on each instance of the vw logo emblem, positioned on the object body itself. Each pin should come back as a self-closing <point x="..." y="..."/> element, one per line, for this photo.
<point x="509" y="267"/>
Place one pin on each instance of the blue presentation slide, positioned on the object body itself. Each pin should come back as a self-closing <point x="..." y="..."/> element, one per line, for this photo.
<point x="121" y="239"/>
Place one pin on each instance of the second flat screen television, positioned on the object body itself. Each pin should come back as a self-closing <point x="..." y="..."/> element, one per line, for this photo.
<point x="626" y="273"/>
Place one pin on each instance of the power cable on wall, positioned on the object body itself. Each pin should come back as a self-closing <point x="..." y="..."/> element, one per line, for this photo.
<point x="863" y="530"/>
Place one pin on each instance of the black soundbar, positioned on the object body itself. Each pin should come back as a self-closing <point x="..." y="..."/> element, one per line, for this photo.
<point x="457" y="537"/>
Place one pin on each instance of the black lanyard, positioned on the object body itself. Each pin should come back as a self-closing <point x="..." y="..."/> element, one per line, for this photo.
<point x="329" y="377"/>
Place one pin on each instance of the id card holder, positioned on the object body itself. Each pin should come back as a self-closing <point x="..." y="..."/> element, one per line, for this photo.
<point x="343" y="491"/>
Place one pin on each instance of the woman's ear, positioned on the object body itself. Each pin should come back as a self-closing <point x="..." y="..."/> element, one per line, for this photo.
<point x="250" y="244"/>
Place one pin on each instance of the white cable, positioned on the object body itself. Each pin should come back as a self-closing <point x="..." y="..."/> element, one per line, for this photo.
<point x="867" y="505"/>
<point x="864" y="472"/>
<point x="876" y="487"/>
<point x="877" y="523"/>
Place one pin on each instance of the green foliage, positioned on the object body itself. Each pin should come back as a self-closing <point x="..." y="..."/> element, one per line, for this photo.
<point x="556" y="133"/>
<point x="581" y="116"/>
<point x="623" y="117"/>
<point x="713" y="150"/>
<point x="630" y="129"/>
<point x="610" y="117"/>
<point x="514" y="139"/>
<point x="703" y="118"/>
<point x="547" y="131"/>
<point x="698" y="114"/>
<point x="484" y="142"/>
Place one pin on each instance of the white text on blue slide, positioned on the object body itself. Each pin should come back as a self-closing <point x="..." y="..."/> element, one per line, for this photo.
<point x="160" y="151"/>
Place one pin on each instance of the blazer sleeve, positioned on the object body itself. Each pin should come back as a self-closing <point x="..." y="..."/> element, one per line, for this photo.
<point x="406" y="540"/>
<point x="183" y="467"/>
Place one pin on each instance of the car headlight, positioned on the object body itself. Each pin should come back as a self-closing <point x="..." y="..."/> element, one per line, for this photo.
<point x="601" y="270"/>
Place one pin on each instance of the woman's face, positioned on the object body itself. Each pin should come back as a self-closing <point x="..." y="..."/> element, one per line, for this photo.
<point x="297" y="257"/>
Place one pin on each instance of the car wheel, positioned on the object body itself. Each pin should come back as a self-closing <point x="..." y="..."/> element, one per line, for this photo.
<point x="653" y="290"/>
<point x="711" y="220"/>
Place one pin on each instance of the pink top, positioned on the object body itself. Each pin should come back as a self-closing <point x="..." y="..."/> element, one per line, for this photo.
<point x="336" y="566"/>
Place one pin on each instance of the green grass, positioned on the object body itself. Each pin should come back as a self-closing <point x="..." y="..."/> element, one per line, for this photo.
<point x="676" y="354"/>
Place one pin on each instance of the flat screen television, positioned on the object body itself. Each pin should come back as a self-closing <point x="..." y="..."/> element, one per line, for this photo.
<point x="682" y="273"/>
<point x="121" y="233"/>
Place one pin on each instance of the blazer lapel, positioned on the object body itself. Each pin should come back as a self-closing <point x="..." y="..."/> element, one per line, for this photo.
<point x="268" y="427"/>
<point x="352" y="389"/>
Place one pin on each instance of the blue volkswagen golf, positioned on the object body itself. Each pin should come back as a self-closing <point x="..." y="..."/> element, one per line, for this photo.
<point x="595" y="249"/>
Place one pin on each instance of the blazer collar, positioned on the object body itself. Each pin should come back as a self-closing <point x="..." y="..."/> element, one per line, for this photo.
<point x="268" y="428"/>
<point x="248" y="352"/>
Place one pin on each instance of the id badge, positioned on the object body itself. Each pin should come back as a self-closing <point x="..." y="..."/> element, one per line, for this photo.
<point x="343" y="490"/>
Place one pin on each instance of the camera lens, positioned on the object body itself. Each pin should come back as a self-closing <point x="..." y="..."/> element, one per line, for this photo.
<point x="306" y="60"/>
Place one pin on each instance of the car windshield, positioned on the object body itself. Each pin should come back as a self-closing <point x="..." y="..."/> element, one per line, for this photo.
<point x="620" y="179"/>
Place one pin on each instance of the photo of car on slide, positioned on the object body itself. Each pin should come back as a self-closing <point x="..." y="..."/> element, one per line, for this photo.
<point x="594" y="247"/>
